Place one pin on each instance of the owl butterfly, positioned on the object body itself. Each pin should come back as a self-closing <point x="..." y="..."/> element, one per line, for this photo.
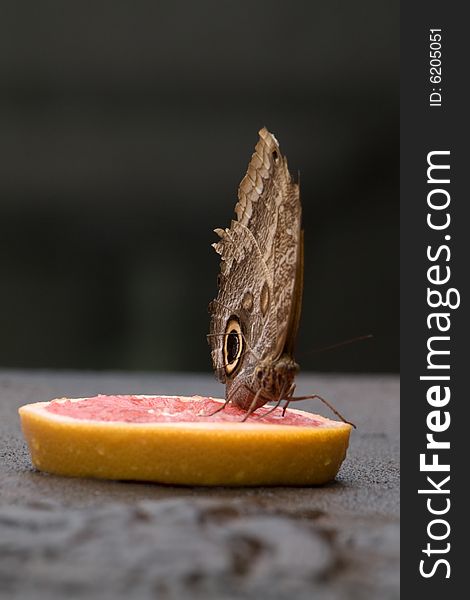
<point x="255" y="317"/>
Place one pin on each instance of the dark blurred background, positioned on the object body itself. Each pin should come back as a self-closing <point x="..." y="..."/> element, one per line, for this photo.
<point x="125" y="128"/>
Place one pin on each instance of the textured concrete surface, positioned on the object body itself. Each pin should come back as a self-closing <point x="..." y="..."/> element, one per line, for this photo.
<point x="70" y="538"/>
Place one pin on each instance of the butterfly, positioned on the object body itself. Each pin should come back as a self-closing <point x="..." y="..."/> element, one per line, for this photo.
<point x="255" y="316"/>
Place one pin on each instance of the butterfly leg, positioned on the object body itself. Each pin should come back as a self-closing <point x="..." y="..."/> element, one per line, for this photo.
<point x="217" y="410"/>
<point x="272" y="409"/>
<point x="252" y="407"/>
<point x="317" y="397"/>
<point x="288" y="398"/>
<point x="282" y="396"/>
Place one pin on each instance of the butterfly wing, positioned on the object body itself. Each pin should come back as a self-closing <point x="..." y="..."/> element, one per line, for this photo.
<point x="260" y="280"/>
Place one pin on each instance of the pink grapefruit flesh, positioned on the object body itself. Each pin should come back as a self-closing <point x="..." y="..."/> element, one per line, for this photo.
<point x="173" y="440"/>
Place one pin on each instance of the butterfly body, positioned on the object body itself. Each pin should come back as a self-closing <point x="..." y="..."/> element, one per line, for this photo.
<point x="255" y="317"/>
<point x="271" y="381"/>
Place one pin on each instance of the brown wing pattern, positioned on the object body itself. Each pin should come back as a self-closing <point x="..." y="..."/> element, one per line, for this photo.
<point x="261" y="248"/>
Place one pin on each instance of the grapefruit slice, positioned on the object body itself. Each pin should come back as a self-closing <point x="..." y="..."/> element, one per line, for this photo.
<point x="170" y="439"/>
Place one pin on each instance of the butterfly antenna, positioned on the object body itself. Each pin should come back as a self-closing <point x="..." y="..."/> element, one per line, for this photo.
<point x="230" y="310"/>
<point x="345" y="343"/>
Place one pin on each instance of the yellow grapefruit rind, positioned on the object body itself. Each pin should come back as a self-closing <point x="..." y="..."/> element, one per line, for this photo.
<point x="193" y="453"/>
